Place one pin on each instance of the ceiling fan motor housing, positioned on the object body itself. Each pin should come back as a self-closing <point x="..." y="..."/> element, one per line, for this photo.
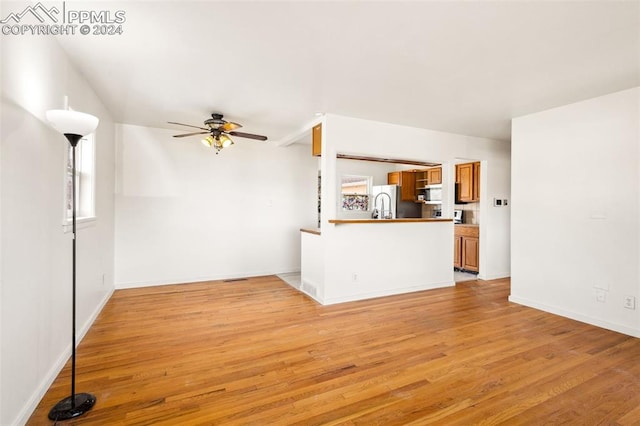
<point x="215" y="121"/>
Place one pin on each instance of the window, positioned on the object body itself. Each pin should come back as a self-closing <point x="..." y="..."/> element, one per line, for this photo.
<point x="85" y="181"/>
<point x="355" y="192"/>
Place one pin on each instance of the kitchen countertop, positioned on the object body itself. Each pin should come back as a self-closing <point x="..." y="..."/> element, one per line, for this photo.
<point x="315" y="231"/>
<point x="402" y="220"/>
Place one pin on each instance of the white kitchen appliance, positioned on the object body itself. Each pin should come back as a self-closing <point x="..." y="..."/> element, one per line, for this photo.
<point x="433" y="194"/>
<point x="457" y="216"/>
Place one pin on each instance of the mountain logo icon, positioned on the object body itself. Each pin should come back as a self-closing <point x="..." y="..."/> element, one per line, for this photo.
<point x="38" y="11"/>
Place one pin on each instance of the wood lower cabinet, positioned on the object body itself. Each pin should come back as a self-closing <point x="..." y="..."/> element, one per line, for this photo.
<point x="407" y="182"/>
<point x="466" y="247"/>
<point x="316" y="140"/>
<point x="470" y="253"/>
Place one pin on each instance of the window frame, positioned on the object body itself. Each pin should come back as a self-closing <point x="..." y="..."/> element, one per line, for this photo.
<point x="85" y="184"/>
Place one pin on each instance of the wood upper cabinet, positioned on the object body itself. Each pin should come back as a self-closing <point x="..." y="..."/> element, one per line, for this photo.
<point x="393" y="178"/>
<point x="466" y="246"/>
<point x="434" y="176"/>
<point x="425" y="177"/>
<point x="316" y="140"/>
<point x="464" y="178"/>
<point x="468" y="181"/>
<point x="407" y="186"/>
<point x="407" y="182"/>
<point x="420" y="182"/>
<point x="421" y="177"/>
<point x="476" y="181"/>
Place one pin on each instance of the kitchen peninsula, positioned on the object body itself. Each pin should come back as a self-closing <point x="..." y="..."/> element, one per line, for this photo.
<point x="376" y="237"/>
<point x="353" y="259"/>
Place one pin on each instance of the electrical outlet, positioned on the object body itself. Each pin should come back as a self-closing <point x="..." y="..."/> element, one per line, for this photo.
<point x="629" y="302"/>
<point x="354" y="277"/>
<point x="505" y="202"/>
<point x="601" y="295"/>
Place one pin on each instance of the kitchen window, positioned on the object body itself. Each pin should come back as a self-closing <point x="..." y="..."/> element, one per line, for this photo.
<point x="355" y="192"/>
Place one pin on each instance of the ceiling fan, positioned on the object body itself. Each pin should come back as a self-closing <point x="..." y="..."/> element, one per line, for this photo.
<point x="219" y="131"/>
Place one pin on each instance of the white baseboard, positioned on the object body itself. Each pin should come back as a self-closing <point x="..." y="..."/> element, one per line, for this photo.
<point x="41" y="390"/>
<point x="197" y="279"/>
<point x="494" y="276"/>
<point x="576" y="316"/>
<point x="382" y="293"/>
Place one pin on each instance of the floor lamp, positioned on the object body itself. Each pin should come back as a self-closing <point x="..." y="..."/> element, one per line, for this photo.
<point x="74" y="125"/>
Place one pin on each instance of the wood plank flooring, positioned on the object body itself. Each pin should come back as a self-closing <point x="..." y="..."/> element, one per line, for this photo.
<point x="258" y="352"/>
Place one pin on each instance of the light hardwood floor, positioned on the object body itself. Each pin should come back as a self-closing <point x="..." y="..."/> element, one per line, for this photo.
<point x="258" y="352"/>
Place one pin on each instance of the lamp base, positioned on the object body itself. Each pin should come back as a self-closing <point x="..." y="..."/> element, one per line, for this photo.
<point x="64" y="411"/>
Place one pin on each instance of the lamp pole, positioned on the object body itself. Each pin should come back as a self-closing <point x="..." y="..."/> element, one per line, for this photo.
<point x="76" y="404"/>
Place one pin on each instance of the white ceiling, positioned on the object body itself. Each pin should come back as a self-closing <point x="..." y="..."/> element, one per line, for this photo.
<point x="457" y="66"/>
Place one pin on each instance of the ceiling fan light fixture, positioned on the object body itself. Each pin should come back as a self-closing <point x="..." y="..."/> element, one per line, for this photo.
<point x="208" y="141"/>
<point x="225" y="141"/>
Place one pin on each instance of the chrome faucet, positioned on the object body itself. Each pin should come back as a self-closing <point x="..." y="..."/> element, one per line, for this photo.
<point x="381" y="215"/>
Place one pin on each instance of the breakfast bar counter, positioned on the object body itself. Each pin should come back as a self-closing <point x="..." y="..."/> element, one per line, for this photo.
<point x="314" y="231"/>
<point x="380" y="221"/>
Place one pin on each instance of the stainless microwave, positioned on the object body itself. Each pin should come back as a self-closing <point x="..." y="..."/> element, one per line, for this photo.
<point x="433" y="194"/>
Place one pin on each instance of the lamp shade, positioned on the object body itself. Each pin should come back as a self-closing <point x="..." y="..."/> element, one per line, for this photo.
<point x="72" y="122"/>
<point x="225" y="141"/>
<point x="208" y="141"/>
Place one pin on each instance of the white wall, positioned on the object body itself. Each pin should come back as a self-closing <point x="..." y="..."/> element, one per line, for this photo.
<point x="375" y="259"/>
<point x="369" y="138"/>
<point x="312" y="265"/>
<point x="35" y="262"/>
<point x="185" y="214"/>
<point x="575" y="213"/>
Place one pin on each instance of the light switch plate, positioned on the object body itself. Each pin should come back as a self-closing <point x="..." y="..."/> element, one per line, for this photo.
<point x="629" y="302"/>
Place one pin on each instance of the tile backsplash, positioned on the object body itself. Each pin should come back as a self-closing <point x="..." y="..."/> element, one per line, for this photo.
<point x="470" y="213"/>
<point x="428" y="210"/>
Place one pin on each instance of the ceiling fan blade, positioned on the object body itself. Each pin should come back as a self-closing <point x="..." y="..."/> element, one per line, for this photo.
<point x="188" y="125"/>
<point x="230" y="125"/>
<point x="190" y="134"/>
<point x="248" y="136"/>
